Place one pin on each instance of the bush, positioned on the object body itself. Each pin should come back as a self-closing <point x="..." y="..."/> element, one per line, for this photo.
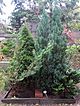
<point x="74" y="49"/>
<point x="73" y="53"/>
<point x="4" y="80"/>
<point x="8" y="48"/>
<point x="5" y="50"/>
<point x="23" y="55"/>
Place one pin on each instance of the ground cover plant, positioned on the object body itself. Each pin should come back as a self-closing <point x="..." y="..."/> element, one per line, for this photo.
<point x="8" y="47"/>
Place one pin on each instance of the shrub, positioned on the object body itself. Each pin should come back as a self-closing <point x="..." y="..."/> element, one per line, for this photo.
<point x="8" y="48"/>
<point x="55" y="74"/>
<point x="23" y="55"/>
<point x="4" y="80"/>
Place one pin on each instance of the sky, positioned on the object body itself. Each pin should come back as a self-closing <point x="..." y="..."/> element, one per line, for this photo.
<point x="6" y="11"/>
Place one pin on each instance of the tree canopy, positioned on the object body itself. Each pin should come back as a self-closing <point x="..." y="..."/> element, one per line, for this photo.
<point x="69" y="8"/>
<point x="24" y="11"/>
<point x="18" y="15"/>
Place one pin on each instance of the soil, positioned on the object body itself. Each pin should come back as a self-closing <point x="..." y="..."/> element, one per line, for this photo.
<point x="21" y="90"/>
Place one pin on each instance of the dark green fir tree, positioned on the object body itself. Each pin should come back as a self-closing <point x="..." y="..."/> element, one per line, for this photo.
<point x="41" y="44"/>
<point x="43" y="31"/>
<point x="55" y="75"/>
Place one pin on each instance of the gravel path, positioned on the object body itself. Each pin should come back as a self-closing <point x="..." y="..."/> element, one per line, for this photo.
<point x="40" y="105"/>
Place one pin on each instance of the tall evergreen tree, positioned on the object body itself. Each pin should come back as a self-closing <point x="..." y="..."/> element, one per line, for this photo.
<point x="41" y="44"/>
<point x="55" y="75"/>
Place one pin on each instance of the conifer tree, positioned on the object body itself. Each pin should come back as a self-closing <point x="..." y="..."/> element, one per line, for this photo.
<point x="55" y="75"/>
<point x="23" y="85"/>
<point x="43" y="31"/>
<point x="23" y="55"/>
<point x="41" y="43"/>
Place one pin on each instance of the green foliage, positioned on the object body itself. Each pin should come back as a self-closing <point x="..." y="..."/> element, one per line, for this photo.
<point x="66" y="86"/>
<point x="49" y="62"/>
<point x="31" y="16"/>
<point x="75" y="25"/>
<point x="71" y="50"/>
<point x="23" y="56"/>
<point x="5" y="50"/>
<point x="37" y="63"/>
<point x="55" y="75"/>
<point x="21" y="14"/>
<point x="4" y="80"/>
<point x="43" y="31"/>
<point x="68" y="7"/>
<point x="8" y="48"/>
<point x="17" y="16"/>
